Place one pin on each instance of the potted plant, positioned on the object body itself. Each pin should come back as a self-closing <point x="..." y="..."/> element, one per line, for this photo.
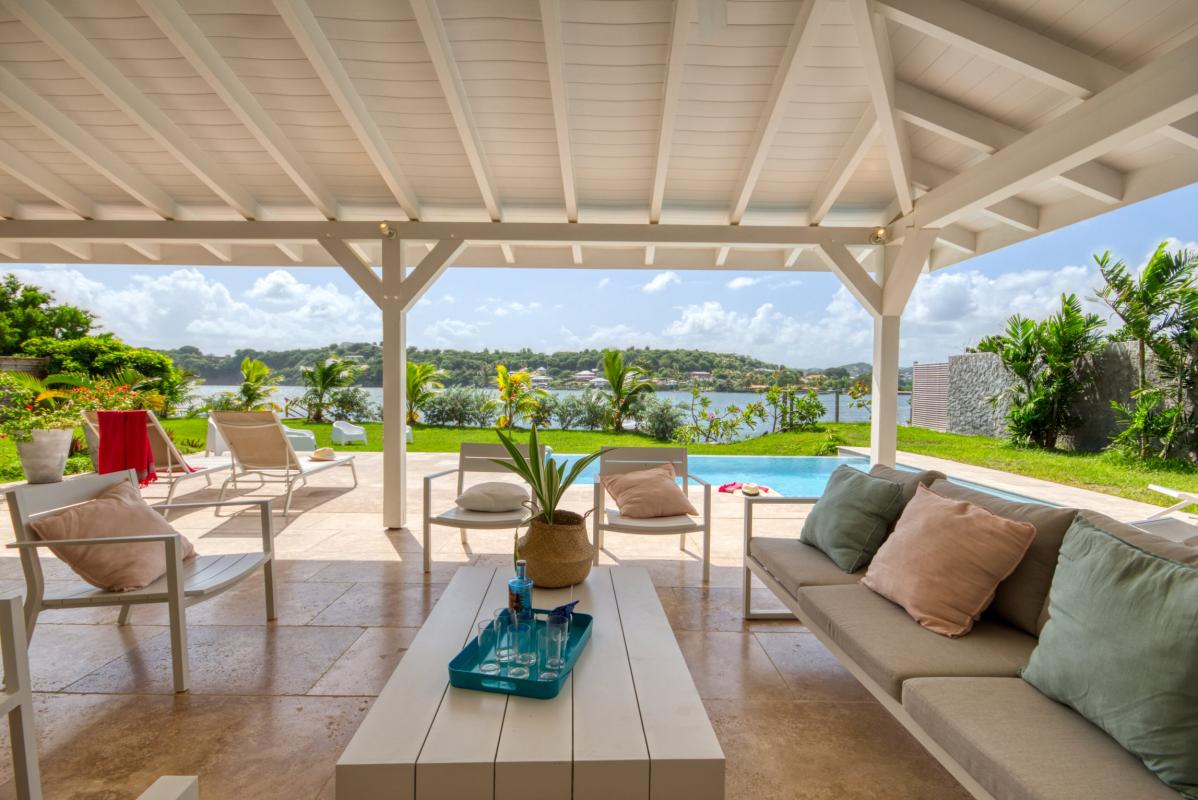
<point x="41" y="421"/>
<point x="556" y="546"/>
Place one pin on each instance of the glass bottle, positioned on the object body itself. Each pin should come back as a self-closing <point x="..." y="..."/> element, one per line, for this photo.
<point x="519" y="593"/>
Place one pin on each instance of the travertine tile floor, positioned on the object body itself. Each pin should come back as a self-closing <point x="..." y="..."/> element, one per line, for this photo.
<point x="272" y="706"/>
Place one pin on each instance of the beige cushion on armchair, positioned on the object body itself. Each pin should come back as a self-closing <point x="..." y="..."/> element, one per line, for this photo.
<point x="119" y="511"/>
<point x="648" y="493"/>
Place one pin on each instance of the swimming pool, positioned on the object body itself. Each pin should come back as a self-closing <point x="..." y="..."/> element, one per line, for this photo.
<point x="791" y="476"/>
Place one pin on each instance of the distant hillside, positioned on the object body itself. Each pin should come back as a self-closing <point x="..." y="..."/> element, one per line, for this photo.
<point x="467" y="368"/>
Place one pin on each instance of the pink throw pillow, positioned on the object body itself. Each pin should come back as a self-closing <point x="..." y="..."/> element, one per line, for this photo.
<point x="119" y="511"/>
<point x="648" y="493"/>
<point x="945" y="559"/>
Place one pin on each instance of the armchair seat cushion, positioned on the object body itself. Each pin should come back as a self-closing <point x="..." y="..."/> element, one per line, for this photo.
<point x="678" y="523"/>
<point x="461" y="517"/>
<point x="118" y="511"/>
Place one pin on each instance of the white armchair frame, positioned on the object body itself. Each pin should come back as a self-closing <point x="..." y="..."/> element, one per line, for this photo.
<point x="472" y="458"/>
<point x="617" y="460"/>
<point x="754" y="567"/>
<point x="173" y="787"/>
<point x="16" y="701"/>
<point x="183" y="585"/>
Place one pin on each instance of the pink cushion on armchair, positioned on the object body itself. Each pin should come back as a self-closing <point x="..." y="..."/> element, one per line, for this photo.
<point x="648" y="493"/>
<point x="119" y="511"/>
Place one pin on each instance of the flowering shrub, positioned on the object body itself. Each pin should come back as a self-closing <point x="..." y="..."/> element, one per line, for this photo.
<point x="27" y="405"/>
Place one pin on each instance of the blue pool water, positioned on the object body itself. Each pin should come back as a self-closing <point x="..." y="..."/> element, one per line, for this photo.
<point x="791" y="476"/>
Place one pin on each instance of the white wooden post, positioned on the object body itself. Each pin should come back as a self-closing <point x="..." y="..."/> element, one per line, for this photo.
<point x="395" y="389"/>
<point x="883" y="428"/>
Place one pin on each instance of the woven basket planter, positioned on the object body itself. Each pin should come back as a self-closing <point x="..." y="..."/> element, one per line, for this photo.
<point x="559" y="554"/>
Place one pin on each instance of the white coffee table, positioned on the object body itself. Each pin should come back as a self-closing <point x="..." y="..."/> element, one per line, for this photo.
<point x="627" y="724"/>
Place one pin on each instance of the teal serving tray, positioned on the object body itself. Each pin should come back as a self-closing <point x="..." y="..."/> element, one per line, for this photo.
<point x="464" y="674"/>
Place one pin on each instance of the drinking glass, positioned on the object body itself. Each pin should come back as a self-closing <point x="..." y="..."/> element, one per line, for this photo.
<point x="488" y="641"/>
<point x="557" y="631"/>
<point x="523" y="638"/>
<point x="503" y="635"/>
<point x="545" y="651"/>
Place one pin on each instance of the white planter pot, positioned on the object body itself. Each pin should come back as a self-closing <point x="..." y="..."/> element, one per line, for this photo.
<point x="44" y="457"/>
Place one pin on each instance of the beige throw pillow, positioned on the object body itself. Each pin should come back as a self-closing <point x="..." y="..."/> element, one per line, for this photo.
<point x="119" y="511"/>
<point x="493" y="496"/>
<point x="945" y="559"/>
<point x="648" y="493"/>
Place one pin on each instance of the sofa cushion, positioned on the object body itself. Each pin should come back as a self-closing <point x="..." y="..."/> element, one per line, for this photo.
<point x="945" y="559"/>
<point x="795" y="564"/>
<point x="1121" y="647"/>
<point x="891" y="648"/>
<point x="1021" y="599"/>
<point x="850" y="520"/>
<point x="493" y="496"/>
<point x="1142" y="539"/>
<point x="1019" y="744"/>
<point x="907" y="479"/>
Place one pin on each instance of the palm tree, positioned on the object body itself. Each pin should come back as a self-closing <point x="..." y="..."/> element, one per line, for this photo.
<point x="257" y="385"/>
<point x="627" y="382"/>
<point x="517" y="395"/>
<point x="321" y="379"/>
<point x="423" y="381"/>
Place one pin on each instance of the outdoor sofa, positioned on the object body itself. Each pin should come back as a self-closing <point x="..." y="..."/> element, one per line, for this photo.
<point x="962" y="698"/>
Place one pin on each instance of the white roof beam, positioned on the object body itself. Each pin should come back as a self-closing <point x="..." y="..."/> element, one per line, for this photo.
<point x="188" y="39"/>
<point x="1144" y="101"/>
<point x="440" y="52"/>
<point x="42" y="115"/>
<point x="854" y="277"/>
<point x="355" y="266"/>
<point x="42" y="180"/>
<point x="1013" y="210"/>
<point x="987" y="135"/>
<point x="151" y="251"/>
<point x="792" y="256"/>
<point x="74" y="48"/>
<point x="434" y="263"/>
<point x="802" y="39"/>
<point x="1017" y="48"/>
<point x="721" y="256"/>
<point x="10" y="250"/>
<point x="293" y="250"/>
<point x="879" y="74"/>
<point x="304" y="26"/>
<point x="850" y="157"/>
<point x="675" y="63"/>
<point x="77" y="249"/>
<point x="223" y="252"/>
<point x="551" y="24"/>
<point x="576" y="253"/>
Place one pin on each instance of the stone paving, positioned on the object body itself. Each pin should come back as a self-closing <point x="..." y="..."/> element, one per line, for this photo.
<point x="273" y="705"/>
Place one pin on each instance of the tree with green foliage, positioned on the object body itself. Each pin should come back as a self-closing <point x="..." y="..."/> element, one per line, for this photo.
<point x="626" y="382"/>
<point x="424" y="379"/>
<point x="1048" y="360"/>
<point x="517" y="396"/>
<point x="254" y="392"/>
<point x="321" y="379"/>
<point x="29" y="312"/>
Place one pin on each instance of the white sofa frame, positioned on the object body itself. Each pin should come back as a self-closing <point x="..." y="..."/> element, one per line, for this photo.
<point x="173" y="787"/>
<point x="753" y="567"/>
<point x="479" y="458"/>
<point x="183" y="585"/>
<point x="619" y="460"/>
<point x="16" y="701"/>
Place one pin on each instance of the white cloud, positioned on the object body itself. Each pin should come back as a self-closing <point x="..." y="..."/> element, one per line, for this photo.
<point x="277" y="286"/>
<point x="455" y="332"/>
<point x="742" y="282"/>
<point x="660" y="281"/>
<point x="603" y="282"/>
<point x="508" y="308"/>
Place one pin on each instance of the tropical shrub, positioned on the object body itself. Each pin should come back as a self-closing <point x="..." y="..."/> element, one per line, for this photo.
<point x="707" y="425"/>
<point x="1048" y="361"/>
<point x="859" y="396"/>
<point x="29" y="312"/>
<point x="593" y="406"/>
<point x="658" y="418"/>
<point x="517" y="396"/>
<point x="324" y="378"/>
<point x="461" y="407"/>
<point x="352" y="403"/>
<point x="626" y="382"/>
<point x="566" y="410"/>
<point x="254" y="393"/>
<point x="423" y="381"/>
<point x="28" y="404"/>
<point x="791" y="409"/>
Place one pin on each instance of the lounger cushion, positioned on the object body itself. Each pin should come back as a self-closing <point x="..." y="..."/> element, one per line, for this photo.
<point x="118" y="511"/>
<point x="851" y="519"/>
<point x="891" y="648"/>
<point x="945" y="559"/>
<point x="493" y="496"/>
<point x="648" y="493"/>
<point x="1019" y="744"/>
<point x="1021" y="599"/>
<point x="794" y="564"/>
<point x="1121" y="647"/>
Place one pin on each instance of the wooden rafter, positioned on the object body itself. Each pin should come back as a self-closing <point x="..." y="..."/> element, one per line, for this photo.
<point x="555" y="62"/>
<point x="675" y="65"/>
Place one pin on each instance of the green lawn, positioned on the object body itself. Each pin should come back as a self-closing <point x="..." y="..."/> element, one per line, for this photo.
<point x="1099" y="472"/>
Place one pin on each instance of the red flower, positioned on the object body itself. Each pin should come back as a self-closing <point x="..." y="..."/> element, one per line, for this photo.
<point x="28" y="408"/>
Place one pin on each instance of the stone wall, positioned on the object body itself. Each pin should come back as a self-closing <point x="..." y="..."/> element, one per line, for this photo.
<point x="34" y="366"/>
<point x="973" y="378"/>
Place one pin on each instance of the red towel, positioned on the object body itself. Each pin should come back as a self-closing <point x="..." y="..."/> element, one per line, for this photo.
<point x="125" y="444"/>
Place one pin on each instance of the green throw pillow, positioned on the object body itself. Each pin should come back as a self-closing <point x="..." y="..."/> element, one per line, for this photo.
<point x="1121" y="648"/>
<point x="851" y="519"/>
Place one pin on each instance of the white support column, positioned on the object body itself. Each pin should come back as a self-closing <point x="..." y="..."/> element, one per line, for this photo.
<point x="395" y="389"/>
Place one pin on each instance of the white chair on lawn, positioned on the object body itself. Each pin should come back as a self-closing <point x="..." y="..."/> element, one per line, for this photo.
<point x="214" y="445"/>
<point x="172" y="468"/>
<point x="348" y="433"/>
<point x="16" y="701"/>
<point x="618" y="460"/>
<point x="183" y="585"/>
<point x="472" y="458"/>
<point x="261" y="448"/>
<point x="302" y="440"/>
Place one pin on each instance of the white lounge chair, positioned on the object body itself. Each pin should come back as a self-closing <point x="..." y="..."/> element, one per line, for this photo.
<point x="261" y="448"/>
<point x="1183" y="499"/>
<point x="348" y="433"/>
<point x="617" y="460"/>
<point x="172" y="468"/>
<point x="476" y="458"/>
<point x="16" y="700"/>
<point x="183" y="585"/>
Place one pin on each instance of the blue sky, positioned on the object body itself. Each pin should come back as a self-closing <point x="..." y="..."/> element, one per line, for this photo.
<point x="802" y="319"/>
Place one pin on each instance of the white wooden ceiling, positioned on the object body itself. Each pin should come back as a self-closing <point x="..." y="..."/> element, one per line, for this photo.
<point x="754" y="112"/>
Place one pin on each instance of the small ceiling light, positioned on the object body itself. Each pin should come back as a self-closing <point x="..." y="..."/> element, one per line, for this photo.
<point x="386" y="231"/>
<point x="878" y="236"/>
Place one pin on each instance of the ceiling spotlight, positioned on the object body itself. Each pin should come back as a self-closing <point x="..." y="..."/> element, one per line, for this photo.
<point x="386" y="230"/>
<point x="878" y="236"/>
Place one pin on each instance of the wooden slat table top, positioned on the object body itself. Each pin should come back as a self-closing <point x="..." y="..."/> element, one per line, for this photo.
<point x="628" y="722"/>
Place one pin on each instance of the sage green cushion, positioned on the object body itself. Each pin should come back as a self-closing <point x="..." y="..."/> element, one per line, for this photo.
<point x="851" y="519"/>
<point x="1121" y="648"/>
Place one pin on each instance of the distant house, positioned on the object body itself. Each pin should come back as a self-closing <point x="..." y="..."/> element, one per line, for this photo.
<point x="540" y="378"/>
<point x="666" y="383"/>
<point x="699" y="375"/>
<point x="586" y="376"/>
<point x="599" y="383"/>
